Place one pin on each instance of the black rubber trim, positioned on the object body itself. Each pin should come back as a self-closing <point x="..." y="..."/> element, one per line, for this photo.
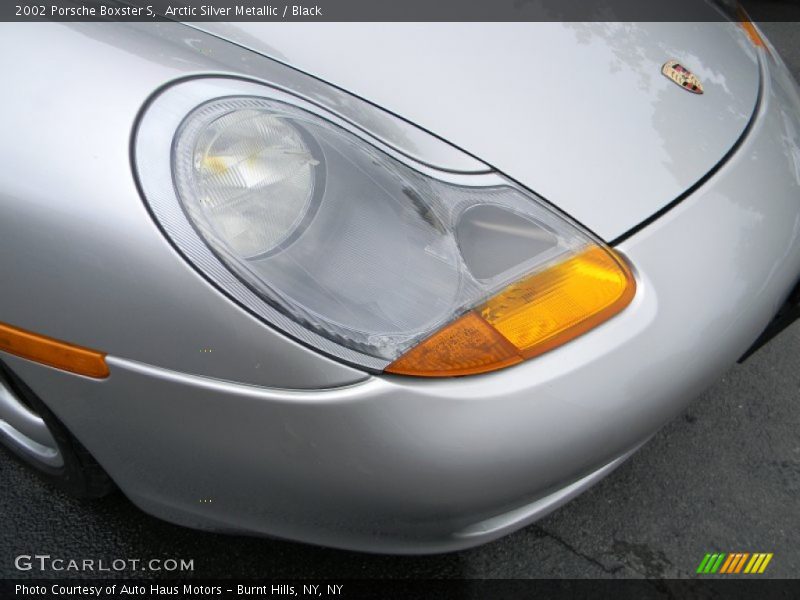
<point x="788" y="314"/>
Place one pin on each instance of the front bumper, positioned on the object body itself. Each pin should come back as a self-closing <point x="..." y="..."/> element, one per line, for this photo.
<point x="402" y="465"/>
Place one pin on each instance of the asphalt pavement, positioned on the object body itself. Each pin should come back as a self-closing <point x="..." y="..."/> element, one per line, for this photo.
<point x="724" y="476"/>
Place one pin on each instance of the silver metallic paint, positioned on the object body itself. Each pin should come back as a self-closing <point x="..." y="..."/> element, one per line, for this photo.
<point x="401" y="464"/>
<point x="541" y="101"/>
<point x="88" y="263"/>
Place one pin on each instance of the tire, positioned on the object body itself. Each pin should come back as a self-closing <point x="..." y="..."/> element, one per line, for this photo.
<point x="79" y="474"/>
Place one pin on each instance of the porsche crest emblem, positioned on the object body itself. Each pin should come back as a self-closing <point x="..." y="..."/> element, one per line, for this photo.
<point x="682" y="76"/>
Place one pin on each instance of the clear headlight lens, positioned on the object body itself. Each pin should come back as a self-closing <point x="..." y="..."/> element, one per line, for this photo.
<point x="251" y="180"/>
<point x="431" y="277"/>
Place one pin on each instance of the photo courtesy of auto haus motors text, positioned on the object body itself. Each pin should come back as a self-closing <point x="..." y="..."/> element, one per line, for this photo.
<point x="399" y="299"/>
<point x="184" y="590"/>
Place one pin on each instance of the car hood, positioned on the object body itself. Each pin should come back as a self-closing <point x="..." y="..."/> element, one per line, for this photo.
<point x="578" y="112"/>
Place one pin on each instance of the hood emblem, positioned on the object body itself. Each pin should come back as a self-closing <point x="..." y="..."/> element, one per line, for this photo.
<point x="682" y="76"/>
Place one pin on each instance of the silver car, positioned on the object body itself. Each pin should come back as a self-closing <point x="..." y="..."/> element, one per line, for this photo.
<point x="399" y="288"/>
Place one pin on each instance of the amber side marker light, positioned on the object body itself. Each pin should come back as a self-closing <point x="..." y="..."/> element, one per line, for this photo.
<point x="749" y="28"/>
<point x="527" y="318"/>
<point x="53" y="353"/>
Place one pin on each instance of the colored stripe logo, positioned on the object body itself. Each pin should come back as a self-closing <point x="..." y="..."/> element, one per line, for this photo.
<point x="734" y="563"/>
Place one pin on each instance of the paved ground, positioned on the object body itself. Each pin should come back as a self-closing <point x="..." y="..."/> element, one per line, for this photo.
<point x="724" y="476"/>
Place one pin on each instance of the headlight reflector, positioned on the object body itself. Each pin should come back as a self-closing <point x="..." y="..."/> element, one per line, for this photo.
<point x="247" y="178"/>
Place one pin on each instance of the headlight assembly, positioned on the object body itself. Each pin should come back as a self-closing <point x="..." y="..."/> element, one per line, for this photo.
<point x="361" y="253"/>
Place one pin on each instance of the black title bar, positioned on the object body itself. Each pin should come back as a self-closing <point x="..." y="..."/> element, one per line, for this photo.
<point x="732" y="588"/>
<point x="395" y="10"/>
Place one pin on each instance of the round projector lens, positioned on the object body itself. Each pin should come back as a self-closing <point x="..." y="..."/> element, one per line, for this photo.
<point x="252" y="178"/>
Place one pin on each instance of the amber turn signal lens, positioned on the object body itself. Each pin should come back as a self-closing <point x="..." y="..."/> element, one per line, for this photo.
<point x="749" y="28"/>
<point x="562" y="302"/>
<point x="53" y="353"/>
<point x="528" y="318"/>
<point x="468" y="345"/>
